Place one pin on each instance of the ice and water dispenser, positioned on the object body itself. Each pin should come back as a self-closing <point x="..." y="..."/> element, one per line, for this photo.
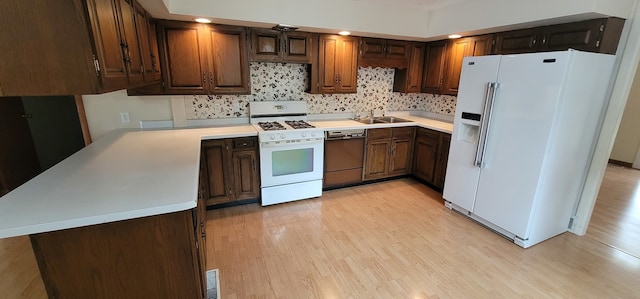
<point x="470" y="127"/>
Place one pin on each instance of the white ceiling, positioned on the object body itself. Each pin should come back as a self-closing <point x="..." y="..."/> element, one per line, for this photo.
<point x="426" y="4"/>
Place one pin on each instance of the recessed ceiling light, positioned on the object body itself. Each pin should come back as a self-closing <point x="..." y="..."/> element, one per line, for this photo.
<point x="455" y="36"/>
<point x="344" y="33"/>
<point x="203" y="20"/>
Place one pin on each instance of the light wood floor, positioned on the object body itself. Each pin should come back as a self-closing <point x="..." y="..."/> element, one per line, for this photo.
<point x="390" y="240"/>
<point x="616" y="216"/>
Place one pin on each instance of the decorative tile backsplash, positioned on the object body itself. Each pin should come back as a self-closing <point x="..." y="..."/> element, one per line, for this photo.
<point x="286" y="82"/>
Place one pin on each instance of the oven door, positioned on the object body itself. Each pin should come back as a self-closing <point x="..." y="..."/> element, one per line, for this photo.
<point x="291" y="162"/>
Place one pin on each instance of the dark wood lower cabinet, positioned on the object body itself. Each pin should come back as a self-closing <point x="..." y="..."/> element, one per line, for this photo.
<point x="430" y="156"/>
<point x="230" y="170"/>
<point x="152" y="257"/>
<point x="388" y="152"/>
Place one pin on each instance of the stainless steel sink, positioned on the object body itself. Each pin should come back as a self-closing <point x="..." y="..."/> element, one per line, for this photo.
<point x="391" y="119"/>
<point x="369" y="121"/>
<point x="382" y="120"/>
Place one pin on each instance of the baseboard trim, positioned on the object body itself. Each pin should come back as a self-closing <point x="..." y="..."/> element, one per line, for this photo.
<point x="621" y="163"/>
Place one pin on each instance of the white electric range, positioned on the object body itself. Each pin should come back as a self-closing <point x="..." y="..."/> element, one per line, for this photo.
<point x="291" y="151"/>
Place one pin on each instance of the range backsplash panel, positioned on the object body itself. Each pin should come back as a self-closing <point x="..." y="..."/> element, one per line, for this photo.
<point x="287" y="81"/>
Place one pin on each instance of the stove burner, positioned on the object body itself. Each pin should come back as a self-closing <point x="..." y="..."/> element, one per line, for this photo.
<point x="299" y="124"/>
<point x="271" y="125"/>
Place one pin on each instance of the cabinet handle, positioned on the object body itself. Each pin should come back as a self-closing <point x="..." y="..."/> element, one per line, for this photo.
<point x="544" y="40"/>
<point x="244" y="144"/>
<point x="253" y="164"/>
<point x="284" y="45"/>
<point x="336" y="79"/>
<point x="204" y="79"/>
<point x="211" y="78"/>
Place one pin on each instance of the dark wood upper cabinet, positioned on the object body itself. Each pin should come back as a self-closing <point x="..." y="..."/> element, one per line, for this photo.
<point x="227" y="55"/>
<point x="147" y="52"/>
<point x="274" y="46"/>
<point x="376" y="52"/>
<point x="435" y="54"/>
<point x="458" y="49"/>
<point x="517" y="41"/>
<point x="84" y="47"/>
<point x="336" y="66"/>
<point x="155" y="54"/>
<point x="104" y="16"/>
<point x="597" y="35"/>
<point x="133" y="59"/>
<point x="409" y="79"/>
<point x="203" y="59"/>
<point x="182" y="54"/>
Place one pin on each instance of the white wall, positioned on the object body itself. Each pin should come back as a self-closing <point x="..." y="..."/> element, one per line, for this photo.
<point x="628" y="138"/>
<point x="103" y="111"/>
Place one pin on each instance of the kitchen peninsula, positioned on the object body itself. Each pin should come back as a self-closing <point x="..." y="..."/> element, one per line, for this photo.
<point x="114" y="217"/>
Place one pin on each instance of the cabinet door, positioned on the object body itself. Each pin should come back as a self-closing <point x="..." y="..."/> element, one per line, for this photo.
<point x="400" y="162"/>
<point x="153" y="44"/>
<point x="132" y="47"/>
<point x="218" y="171"/>
<point x="108" y="41"/>
<point x="372" y="48"/>
<point x="348" y="64"/>
<point x="517" y="41"/>
<point x="583" y="36"/>
<point x="443" y="158"/>
<point x="398" y="49"/>
<point x="327" y="62"/>
<point x="266" y="45"/>
<point x="376" y="163"/>
<point x="142" y="28"/>
<point x="482" y="45"/>
<point x="297" y="47"/>
<point x="246" y="175"/>
<point x="182" y="56"/>
<point x="227" y="59"/>
<point x="410" y="79"/>
<point x="425" y="155"/>
<point x="458" y="49"/>
<point x="433" y="70"/>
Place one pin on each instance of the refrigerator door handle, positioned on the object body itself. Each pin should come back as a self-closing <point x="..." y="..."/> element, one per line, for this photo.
<point x="485" y="123"/>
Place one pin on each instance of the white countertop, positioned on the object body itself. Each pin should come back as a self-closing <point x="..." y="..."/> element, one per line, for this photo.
<point x="129" y="174"/>
<point x="123" y="175"/>
<point x="415" y="121"/>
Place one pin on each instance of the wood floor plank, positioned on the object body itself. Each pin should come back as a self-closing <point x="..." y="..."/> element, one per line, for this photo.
<point x="397" y="240"/>
<point x="616" y="217"/>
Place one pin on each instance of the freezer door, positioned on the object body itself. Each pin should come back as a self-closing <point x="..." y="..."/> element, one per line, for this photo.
<point x="524" y="109"/>
<point x="462" y="175"/>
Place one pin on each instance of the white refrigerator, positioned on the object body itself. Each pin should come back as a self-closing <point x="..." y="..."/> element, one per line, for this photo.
<point x="523" y="138"/>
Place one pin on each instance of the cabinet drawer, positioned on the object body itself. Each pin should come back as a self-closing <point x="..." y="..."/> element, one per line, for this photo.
<point x="431" y="134"/>
<point x="373" y="134"/>
<point x="244" y="143"/>
<point x="403" y="133"/>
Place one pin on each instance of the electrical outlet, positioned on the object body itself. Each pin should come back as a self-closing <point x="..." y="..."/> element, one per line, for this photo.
<point x="124" y="117"/>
